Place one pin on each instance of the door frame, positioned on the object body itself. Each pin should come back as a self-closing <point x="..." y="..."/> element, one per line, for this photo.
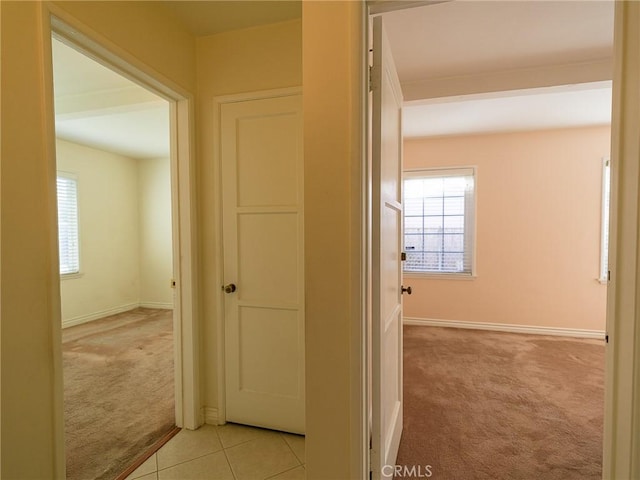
<point x="68" y="29"/>
<point x="217" y="416"/>
<point x="622" y="368"/>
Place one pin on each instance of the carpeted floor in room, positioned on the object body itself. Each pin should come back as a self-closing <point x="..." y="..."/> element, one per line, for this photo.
<point x="502" y="406"/>
<point x="118" y="390"/>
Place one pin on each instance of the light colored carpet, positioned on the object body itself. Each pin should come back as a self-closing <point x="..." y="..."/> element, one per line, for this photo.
<point x="501" y="406"/>
<point x="118" y="390"/>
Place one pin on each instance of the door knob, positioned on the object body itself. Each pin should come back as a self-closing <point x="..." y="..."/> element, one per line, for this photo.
<point x="229" y="288"/>
<point x="406" y="289"/>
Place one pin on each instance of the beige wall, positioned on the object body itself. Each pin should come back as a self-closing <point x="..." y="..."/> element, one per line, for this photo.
<point x="246" y="60"/>
<point x="155" y="253"/>
<point x="146" y="32"/>
<point x="332" y="79"/>
<point x="538" y="197"/>
<point x="124" y="208"/>
<point x="109" y="278"/>
<point x="269" y="58"/>
<point x="31" y="404"/>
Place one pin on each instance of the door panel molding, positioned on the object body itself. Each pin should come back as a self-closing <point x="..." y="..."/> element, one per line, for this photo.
<point x="218" y="103"/>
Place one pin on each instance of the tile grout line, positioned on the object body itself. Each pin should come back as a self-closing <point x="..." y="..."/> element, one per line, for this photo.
<point x="245" y="441"/>
<point x="284" y="471"/>
<point x="224" y="449"/>
<point x="282" y="438"/>
<point x="186" y="461"/>
<point x="241" y="443"/>
<point x="140" y="476"/>
<point x="226" y="457"/>
<point x="233" y="472"/>
<point x="291" y="448"/>
<point x="157" y="469"/>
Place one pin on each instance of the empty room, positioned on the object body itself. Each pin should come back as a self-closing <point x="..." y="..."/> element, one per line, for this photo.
<point x="518" y="388"/>
<point x="506" y="186"/>
<point x="116" y="264"/>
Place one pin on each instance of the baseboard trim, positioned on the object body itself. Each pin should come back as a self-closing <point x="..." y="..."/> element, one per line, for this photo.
<point x="160" y="305"/>
<point x="112" y="311"/>
<point x="505" y="327"/>
<point x="210" y="415"/>
<point x="96" y="315"/>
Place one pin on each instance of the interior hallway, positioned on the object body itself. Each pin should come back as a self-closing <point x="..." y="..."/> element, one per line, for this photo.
<point x="227" y="452"/>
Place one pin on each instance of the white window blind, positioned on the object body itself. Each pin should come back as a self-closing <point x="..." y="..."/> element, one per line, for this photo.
<point x="604" y="240"/>
<point x="439" y="210"/>
<point x="68" y="223"/>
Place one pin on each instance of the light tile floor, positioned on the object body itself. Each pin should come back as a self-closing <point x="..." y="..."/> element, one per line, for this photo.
<point x="226" y="452"/>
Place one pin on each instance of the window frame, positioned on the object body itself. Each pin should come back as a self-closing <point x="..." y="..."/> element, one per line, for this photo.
<point x="78" y="273"/>
<point x="605" y="220"/>
<point x="470" y="219"/>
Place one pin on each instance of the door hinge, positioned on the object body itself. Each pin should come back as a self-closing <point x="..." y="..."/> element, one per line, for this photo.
<point x="370" y="78"/>
<point x="606" y="338"/>
<point x="172" y="283"/>
<point x="608" y="275"/>
<point x="369" y="462"/>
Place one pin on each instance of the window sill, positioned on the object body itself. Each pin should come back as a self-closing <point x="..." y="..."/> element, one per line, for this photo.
<point x="439" y="276"/>
<point x="71" y="276"/>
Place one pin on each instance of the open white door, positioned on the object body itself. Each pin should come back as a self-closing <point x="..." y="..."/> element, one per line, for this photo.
<point x="386" y="257"/>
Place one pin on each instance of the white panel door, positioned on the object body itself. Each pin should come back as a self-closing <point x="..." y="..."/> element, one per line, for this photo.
<point x="262" y="187"/>
<point x="386" y="257"/>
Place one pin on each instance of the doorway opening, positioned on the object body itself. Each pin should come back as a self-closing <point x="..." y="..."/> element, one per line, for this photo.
<point x="447" y="286"/>
<point x="157" y="188"/>
<point x="116" y="265"/>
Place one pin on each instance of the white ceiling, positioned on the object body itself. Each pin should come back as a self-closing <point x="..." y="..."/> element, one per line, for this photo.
<point x="470" y="37"/>
<point x="494" y="48"/>
<point x="209" y="17"/>
<point x="518" y="110"/>
<point x="97" y="107"/>
<point x="138" y="134"/>
<point x="442" y="52"/>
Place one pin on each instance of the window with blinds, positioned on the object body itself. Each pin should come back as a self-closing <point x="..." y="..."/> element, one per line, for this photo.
<point x="68" y="223"/>
<point x="604" y="240"/>
<point x="439" y="210"/>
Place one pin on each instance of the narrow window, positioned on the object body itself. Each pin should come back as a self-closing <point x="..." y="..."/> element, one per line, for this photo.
<point x="439" y="210"/>
<point x="68" y="223"/>
<point x="604" y="239"/>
